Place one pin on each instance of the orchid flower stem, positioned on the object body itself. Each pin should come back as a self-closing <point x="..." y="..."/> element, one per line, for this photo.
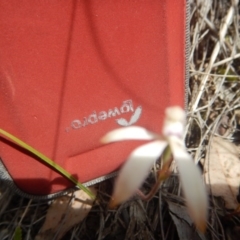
<point x="163" y="174"/>
<point x="46" y="160"/>
<point x="167" y="154"/>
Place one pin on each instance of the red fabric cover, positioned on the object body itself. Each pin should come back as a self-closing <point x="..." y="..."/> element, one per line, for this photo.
<point x="61" y="61"/>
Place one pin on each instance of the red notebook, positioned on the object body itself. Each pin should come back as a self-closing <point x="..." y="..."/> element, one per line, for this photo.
<point x="71" y="71"/>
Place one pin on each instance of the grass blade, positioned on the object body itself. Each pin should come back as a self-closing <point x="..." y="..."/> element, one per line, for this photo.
<point x="47" y="160"/>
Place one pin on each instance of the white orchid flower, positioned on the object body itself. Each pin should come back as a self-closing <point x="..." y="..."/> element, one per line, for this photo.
<point x="137" y="167"/>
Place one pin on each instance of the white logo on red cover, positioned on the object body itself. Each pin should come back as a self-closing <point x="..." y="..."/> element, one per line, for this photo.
<point x="95" y="117"/>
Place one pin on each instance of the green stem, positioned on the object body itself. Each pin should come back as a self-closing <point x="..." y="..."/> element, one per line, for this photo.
<point x="47" y="160"/>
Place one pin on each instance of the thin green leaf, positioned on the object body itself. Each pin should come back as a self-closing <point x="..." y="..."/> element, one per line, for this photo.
<point x="47" y="160"/>
<point x="17" y="233"/>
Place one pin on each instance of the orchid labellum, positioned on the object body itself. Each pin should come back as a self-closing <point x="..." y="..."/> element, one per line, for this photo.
<point x="144" y="157"/>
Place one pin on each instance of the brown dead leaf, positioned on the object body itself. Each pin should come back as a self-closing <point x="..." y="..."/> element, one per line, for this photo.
<point x="64" y="213"/>
<point x="222" y="171"/>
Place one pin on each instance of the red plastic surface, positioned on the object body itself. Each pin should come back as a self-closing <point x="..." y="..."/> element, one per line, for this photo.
<point x="65" y="65"/>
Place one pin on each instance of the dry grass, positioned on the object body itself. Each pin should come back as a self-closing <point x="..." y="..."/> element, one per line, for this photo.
<point x="214" y="93"/>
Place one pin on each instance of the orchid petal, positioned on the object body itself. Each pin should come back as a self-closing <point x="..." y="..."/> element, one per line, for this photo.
<point x="174" y="122"/>
<point x="191" y="180"/>
<point x="135" y="170"/>
<point x="129" y="133"/>
<point x="175" y="114"/>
